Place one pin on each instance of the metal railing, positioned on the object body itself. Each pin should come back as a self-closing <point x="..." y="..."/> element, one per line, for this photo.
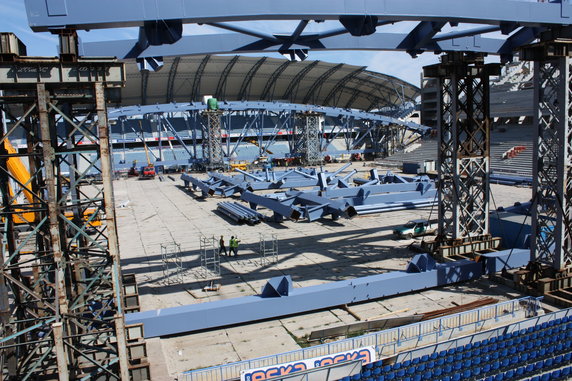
<point x="387" y="343"/>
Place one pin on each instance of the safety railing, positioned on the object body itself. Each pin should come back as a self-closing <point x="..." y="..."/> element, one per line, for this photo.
<point x="387" y="343"/>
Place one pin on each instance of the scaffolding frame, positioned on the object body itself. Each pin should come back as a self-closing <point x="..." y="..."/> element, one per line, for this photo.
<point x="268" y="249"/>
<point x="210" y="258"/>
<point x="173" y="270"/>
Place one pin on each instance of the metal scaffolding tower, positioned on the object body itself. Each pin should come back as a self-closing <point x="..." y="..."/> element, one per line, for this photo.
<point x="172" y="263"/>
<point x="61" y="306"/>
<point x="268" y="249"/>
<point x="464" y="145"/>
<point x="308" y="133"/>
<point x="552" y="189"/>
<point x="212" y="139"/>
<point x="210" y="258"/>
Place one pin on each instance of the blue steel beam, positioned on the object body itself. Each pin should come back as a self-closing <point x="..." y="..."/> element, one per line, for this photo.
<point x="229" y="43"/>
<point x="267" y="106"/>
<point x="62" y="14"/>
<point x="290" y="300"/>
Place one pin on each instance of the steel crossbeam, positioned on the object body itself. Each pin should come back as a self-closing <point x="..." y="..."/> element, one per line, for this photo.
<point x="552" y="187"/>
<point x="464" y="144"/>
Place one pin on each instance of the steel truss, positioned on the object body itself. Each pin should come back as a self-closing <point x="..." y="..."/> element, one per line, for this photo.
<point x="552" y="188"/>
<point x="308" y="135"/>
<point x="62" y="307"/>
<point x="464" y="145"/>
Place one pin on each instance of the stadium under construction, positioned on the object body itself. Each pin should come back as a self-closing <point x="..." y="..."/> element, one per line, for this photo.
<point x="176" y="208"/>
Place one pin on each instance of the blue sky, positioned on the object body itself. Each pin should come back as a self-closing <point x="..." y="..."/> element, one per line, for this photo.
<point x="398" y="64"/>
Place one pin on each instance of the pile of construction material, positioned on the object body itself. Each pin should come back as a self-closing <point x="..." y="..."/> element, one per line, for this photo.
<point x="240" y="213"/>
<point x="379" y="193"/>
<point x="223" y="185"/>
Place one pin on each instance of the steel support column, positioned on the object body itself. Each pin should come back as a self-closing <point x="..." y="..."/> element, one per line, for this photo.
<point x="212" y="139"/>
<point x="552" y="189"/>
<point x="464" y="145"/>
<point x="61" y="303"/>
<point x="309" y="132"/>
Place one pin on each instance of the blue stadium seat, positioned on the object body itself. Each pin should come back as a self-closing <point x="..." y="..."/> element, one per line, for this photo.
<point x="443" y="353"/>
<point x="450" y="359"/>
<point x="556" y="374"/>
<point x="356" y="377"/>
<point x="477" y="360"/>
<point x="437" y="372"/>
<point x="548" y="362"/>
<point x="368" y="366"/>
<point x="447" y="378"/>
<point x="520" y="371"/>
<point x="505" y="362"/>
<point x="477" y="371"/>
<point x="467" y="363"/>
<point x="366" y="373"/>
<point x="434" y="355"/>
<point x="509" y="374"/>
<point x="447" y="368"/>
<point x="514" y="360"/>
<point x="440" y="361"/>
<point x="495" y="365"/>
<point x="566" y="371"/>
<point x="427" y="375"/>
<point x="545" y="377"/>
<point x="456" y="377"/>
<point x="535" y="378"/>
<point x="529" y="368"/>
<point x="567" y="357"/>
<point x="467" y="373"/>
<point x="485" y="342"/>
<point x="420" y="368"/>
<point x="376" y="371"/>
<point x="411" y="371"/>
<point x="451" y="351"/>
<point x="400" y="373"/>
<point x="406" y="363"/>
<point x="380" y="378"/>
<point x="417" y="377"/>
<point x="397" y="366"/>
<point x="378" y="363"/>
<point x="386" y="368"/>
<point x="424" y="358"/>
<point x="486" y="368"/>
<point x="415" y="361"/>
<point x="430" y="364"/>
<point x="390" y="376"/>
<point x="499" y="377"/>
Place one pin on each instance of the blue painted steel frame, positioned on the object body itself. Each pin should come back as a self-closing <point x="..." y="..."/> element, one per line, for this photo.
<point x="289" y="301"/>
<point x="94" y="15"/>
<point x="267" y="106"/>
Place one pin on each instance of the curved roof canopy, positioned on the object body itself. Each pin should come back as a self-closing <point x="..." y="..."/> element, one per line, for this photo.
<point x="237" y="78"/>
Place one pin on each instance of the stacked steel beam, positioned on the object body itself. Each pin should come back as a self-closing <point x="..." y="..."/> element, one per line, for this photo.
<point x="240" y="213"/>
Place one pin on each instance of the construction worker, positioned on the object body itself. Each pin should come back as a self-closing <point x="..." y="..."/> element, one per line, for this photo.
<point x="221" y="246"/>
<point x="233" y="244"/>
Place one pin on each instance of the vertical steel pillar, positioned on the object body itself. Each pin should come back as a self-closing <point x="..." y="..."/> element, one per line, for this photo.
<point x="212" y="139"/>
<point x="309" y="131"/>
<point x="464" y="145"/>
<point x="62" y="279"/>
<point x="552" y="188"/>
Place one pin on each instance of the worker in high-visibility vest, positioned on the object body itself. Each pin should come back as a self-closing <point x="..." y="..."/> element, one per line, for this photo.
<point x="233" y="244"/>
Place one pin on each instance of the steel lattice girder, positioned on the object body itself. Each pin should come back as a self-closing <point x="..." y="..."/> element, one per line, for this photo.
<point x="464" y="145"/>
<point x="62" y="310"/>
<point x="552" y="188"/>
<point x="308" y="132"/>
